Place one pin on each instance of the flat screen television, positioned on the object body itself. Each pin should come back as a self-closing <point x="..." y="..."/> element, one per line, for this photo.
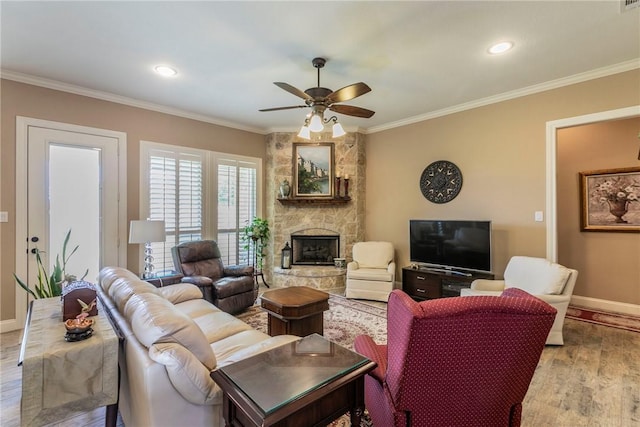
<point x="451" y="245"/>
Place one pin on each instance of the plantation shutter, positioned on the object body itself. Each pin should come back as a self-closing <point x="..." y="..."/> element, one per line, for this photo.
<point x="175" y="196"/>
<point x="237" y="206"/>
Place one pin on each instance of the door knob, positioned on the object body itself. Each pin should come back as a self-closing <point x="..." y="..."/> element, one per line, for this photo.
<point x="34" y="251"/>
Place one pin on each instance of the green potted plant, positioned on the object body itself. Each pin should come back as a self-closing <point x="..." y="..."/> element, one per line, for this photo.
<point x="256" y="233"/>
<point x="50" y="285"/>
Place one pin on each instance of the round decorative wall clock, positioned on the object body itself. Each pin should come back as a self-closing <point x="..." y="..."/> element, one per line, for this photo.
<point x="441" y="181"/>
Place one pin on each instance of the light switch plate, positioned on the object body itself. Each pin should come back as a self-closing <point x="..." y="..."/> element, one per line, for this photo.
<point x="4" y="216"/>
<point x="539" y="216"/>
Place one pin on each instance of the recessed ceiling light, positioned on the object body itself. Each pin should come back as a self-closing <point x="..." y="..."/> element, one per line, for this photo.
<point x="165" y="70"/>
<point x="500" y="48"/>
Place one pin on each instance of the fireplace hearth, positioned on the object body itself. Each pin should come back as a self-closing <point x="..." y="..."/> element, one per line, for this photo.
<point x="314" y="250"/>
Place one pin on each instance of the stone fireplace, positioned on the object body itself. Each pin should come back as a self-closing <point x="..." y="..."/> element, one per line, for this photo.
<point x="314" y="250"/>
<point x="342" y="222"/>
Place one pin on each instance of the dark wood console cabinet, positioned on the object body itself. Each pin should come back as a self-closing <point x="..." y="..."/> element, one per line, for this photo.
<point x="422" y="283"/>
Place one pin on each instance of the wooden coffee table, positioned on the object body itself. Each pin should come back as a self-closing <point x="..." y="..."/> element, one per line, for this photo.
<point x="296" y="310"/>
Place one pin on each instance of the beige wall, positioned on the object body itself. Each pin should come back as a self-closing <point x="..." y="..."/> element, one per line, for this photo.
<point x="19" y="99"/>
<point x="500" y="149"/>
<point x="605" y="260"/>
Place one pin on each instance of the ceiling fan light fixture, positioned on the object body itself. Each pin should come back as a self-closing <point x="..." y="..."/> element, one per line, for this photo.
<point x="316" y="123"/>
<point x="304" y="133"/>
<point x="337" y="129"/>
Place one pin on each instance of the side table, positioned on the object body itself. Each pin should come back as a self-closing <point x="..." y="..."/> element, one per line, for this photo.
<point x="164" y="279"/>
<point x="60" y="377"/>
<point x="296" y="310"/>
<point x="309" y="382"/>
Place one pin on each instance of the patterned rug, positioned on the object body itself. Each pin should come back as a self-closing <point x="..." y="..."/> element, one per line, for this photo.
<point x="344" y="320"/>
<point x="614" y="320"/>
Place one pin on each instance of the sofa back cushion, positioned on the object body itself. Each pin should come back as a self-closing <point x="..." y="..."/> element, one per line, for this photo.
<point x="538" y="276"/>
<point x="373" y="254"/>
<point x="155" y="320"/>
<point x="125" y="287"/>
<point x="190" y="377"/>
<point x="109" y="275"/>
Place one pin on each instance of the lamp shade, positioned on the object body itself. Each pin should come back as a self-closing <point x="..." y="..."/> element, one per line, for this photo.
<point x="338" y="131"/>
<point x="305" y="132"/>
<point x="144" y="231"/>
<point x="316" y="124"/>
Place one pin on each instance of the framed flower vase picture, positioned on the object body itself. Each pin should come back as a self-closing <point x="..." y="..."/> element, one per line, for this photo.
<point x="610" y="200"/>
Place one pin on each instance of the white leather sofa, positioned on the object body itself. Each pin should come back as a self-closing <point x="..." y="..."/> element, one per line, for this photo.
<point x="371" y="274"/>
<point x="173" y="338"/>
<point x="551" y="282"/>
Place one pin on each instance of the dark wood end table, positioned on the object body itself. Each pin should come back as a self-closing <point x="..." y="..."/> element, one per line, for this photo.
<point x="296" y="310"/>
<point x="308" y="382"/>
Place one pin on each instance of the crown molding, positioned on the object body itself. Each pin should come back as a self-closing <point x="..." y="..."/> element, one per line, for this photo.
<point x="106" y="96"/>
<point x="529" y="90"/>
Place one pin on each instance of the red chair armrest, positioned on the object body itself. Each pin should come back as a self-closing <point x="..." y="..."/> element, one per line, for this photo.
<point x="377" y="353"/>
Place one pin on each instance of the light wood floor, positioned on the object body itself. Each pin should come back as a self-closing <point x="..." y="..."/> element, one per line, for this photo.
<point x="593" y="380"/>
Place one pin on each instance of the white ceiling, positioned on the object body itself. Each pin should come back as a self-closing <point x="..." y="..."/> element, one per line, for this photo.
<point x="420" y="58"/>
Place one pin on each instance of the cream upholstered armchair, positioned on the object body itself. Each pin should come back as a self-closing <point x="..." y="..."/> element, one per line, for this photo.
<point x="551" y="282"/>
<point x="372" y="272"/>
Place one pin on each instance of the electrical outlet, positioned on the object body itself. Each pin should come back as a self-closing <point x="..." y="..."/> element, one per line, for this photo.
<point x="4" y="216"/>
<point x="538" y="216"/>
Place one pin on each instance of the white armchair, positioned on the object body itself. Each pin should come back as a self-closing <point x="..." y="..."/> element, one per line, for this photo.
<point x="372" y="272"/>
<point x="551" y="282"/>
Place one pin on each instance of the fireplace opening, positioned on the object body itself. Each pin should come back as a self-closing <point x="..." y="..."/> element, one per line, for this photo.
<point x="314" y="250"/>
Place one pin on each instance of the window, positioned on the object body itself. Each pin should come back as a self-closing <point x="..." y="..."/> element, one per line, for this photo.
<point x="237" y="205"/>
<point x="176" y="188"/>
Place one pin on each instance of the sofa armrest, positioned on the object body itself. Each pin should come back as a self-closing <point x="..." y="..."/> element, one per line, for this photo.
<point x="353" y="265"/>
<point x="365" y="345"/>
<point x="487" y="285"/>
<point x="238" y="270"/>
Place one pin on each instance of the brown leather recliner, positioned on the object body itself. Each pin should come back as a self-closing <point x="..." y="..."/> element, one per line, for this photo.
<point x="231" y="288"/>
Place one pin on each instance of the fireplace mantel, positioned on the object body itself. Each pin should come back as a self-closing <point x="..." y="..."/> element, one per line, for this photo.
<point x="315" y="200"/>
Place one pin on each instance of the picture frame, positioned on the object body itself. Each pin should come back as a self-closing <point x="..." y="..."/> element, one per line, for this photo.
<point x="610" y="200"/>
<point x="313" y="170"/>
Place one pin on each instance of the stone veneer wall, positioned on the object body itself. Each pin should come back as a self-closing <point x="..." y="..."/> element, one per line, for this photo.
<point x="346" y="219"/>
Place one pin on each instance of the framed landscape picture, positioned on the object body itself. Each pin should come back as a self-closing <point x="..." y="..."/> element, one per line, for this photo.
<point x="313" y="170"/>
<point x="610" y="200"/>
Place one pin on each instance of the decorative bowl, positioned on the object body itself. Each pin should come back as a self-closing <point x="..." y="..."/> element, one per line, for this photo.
<point x="77" y="326"/>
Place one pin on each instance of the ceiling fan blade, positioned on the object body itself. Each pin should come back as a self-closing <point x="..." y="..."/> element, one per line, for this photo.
<point x="350" y="110"/>
<point x="293" y="90"/>
<point x="348" y="92"/>
<point x="284" y="108"/>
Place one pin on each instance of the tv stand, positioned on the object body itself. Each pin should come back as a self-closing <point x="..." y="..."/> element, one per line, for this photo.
<point x="423" y="283"/>
<point x="446" y="271"/>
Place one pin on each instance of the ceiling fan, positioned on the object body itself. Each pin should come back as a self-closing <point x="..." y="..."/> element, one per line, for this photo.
<point x="320" y="99"/>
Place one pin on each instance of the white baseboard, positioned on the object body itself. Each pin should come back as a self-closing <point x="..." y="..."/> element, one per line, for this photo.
<point x="605" y="305"/>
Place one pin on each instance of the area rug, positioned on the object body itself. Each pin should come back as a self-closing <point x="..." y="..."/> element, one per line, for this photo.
<point x="343" y="322"/>
<point x="614" y="320"/>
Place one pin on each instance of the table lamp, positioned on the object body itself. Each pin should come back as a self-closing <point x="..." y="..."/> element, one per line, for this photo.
<point x="147" y="231"/>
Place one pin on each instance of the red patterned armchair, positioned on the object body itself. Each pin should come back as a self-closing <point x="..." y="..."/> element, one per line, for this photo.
<point x="455" y="361"/>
